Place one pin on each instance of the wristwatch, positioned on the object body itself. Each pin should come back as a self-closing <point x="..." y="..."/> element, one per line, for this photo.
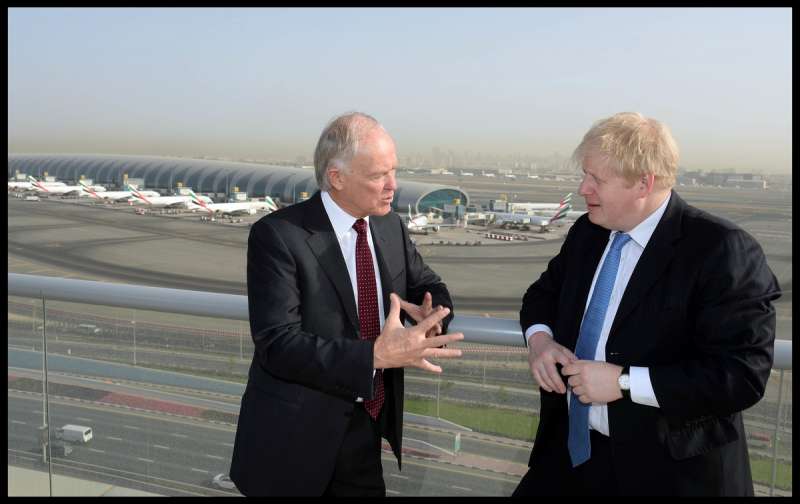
<point x="624" y="382"/>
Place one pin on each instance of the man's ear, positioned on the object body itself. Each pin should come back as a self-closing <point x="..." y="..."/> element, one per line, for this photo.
<point x="334" y="175"/>
<point x="647" y="183"/>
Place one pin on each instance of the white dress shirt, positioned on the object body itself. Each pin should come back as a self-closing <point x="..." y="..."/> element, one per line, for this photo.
<point x="641" y="386"/>
<point x="342" y="223"/>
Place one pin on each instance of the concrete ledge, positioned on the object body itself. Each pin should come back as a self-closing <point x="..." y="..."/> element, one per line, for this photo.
<point x="29" y="483"/>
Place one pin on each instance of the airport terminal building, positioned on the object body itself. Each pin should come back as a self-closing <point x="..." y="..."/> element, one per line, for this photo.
<point x="166" y="174"/>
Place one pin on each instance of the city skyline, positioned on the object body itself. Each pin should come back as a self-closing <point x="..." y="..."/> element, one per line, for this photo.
<point x="525" y="83"/>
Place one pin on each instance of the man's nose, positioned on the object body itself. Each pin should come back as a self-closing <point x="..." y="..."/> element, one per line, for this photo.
<point x="584" y="188"/>
<point x="391" y="184"/>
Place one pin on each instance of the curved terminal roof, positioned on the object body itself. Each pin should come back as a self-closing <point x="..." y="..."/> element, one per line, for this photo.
<point x="213" y="176"/>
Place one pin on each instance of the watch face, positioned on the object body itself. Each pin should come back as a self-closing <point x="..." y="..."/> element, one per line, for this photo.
<point x="624" y="382"/>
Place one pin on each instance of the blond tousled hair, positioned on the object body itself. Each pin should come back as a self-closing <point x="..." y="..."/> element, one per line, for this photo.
<point x="635" y="145"/>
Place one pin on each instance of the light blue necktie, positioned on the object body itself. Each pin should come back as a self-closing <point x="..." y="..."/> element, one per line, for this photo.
<point x="578" y="442"/>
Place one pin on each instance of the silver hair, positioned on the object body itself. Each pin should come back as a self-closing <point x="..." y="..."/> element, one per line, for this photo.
<point x="339" y="142"/>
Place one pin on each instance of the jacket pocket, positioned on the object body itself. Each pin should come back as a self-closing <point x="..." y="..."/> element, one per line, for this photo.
<point x="699" y="435"/>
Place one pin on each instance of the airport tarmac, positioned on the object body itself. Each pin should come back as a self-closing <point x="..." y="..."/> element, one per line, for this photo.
<point x="78" y="239"/>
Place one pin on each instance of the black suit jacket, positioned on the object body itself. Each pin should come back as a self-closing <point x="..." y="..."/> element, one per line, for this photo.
<point x="309" y="364"/>
<point x="697" y="312"/>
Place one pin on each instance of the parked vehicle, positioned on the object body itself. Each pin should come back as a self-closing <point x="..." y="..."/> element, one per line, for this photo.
<point x="74" y="433"/>
<point x="223" y="482"/>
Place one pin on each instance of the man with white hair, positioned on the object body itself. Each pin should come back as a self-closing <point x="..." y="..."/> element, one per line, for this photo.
<point x="326" y="281"/>
<point x="648" y="334"/>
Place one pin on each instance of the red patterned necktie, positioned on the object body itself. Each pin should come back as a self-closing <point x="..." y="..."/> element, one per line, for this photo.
<point x="368" y="320"/>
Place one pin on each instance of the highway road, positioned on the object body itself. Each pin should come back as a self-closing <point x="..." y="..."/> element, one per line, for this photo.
<point x="176" y="456"/>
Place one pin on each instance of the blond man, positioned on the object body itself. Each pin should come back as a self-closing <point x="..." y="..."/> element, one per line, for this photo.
<point x="648" y="334"/>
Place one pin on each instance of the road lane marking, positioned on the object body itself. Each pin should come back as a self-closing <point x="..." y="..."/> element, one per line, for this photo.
<point x="84" y="419"/>
<point x="132" y="427"/>
<point x="399" y="476"/>
<point x="114" y="438"/>
<point x="461" y="488"/>
<point x="96" y="450"/>
<point x="18" y="422"/>
<point x="215" y="457"/>
<point x="160" y="446"/>
<point x="145" y="460"/>
<point x="227" y="444"/>
<point x="199" y="470"/>
<point x="179" y="435"/>
<point x="393" y="492"/>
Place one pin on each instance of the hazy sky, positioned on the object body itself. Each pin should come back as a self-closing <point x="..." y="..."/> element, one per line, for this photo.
<point x="262" y="83"/>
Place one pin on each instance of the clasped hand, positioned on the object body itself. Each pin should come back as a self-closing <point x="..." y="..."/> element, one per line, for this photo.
<point x="398" y="346"/>
<point x="590" y="381"/>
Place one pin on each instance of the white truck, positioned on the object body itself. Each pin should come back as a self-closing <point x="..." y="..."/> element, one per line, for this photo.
<point x="74" y="433"/>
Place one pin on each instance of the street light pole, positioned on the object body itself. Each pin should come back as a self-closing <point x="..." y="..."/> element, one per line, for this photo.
<point x="133" y="322"/>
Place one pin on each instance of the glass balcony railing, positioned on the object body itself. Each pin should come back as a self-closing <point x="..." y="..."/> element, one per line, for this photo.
<point x="159" y="385"/>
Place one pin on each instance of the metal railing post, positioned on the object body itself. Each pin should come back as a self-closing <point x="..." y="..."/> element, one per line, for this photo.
<point x="775" y="437"/>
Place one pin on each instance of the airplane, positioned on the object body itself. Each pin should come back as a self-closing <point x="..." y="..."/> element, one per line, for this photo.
<point x="114" y="196"/>
<point x="525" y="207"/>
<point x="522" y="219"/>
<point x="235" y="208"/>
<point x="60" y="188"/>
<point x="419" y="223"/>
<point x="163" y="201"/>
<point x="19" y="186"/>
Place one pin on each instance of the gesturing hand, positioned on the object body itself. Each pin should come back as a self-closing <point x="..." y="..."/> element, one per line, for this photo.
<point x="420" y="312"/>
<point x="398" y="346"/>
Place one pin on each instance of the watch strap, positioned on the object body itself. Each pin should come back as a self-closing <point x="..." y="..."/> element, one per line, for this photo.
<point x="626" y="393"/>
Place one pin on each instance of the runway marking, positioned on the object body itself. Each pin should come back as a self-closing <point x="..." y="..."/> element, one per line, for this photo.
<point x="37" y="271"/>
<point x="132" y="427"/>
<point x="199" y="470"/>
<point x="399" y="476"/>
<point x="461" y="488"/>
<point x="161" y="447"/>
<point x="96" y="450"/>
<point x="18" y="422"/>
<point x="215" y="457"/>
<point x="393" y="492"/>
<point x="114" y="438"/>
<point x="227" y="444"/>
<point x="184" y="436"/>
<point x="145" y="460"/>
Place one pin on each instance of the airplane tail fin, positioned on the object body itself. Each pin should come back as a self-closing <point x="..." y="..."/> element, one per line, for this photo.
<point x="566" y="200"/>
<point x="270" y="204"/>
<point x="36" y="183"/>
<point x="197" y="200"/>
<point x="136" y="194"/>
<point x="88" y="189"/>
<point x="561" y="213"/>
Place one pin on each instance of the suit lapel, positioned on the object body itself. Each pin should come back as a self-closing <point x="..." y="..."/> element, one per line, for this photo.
<point x="380" y="239"/>
<point x="654" y="260"/>
<point x="325" y="246"/>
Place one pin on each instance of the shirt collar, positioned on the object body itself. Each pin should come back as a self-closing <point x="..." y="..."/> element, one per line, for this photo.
<point x="644" y="230"/>
<point x="341" y="221"/>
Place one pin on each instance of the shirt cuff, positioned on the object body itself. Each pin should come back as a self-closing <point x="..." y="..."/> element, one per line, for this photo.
<point x="641" y="387"/>
<point x="534" y="329"/>
<point x="361" y="399"/>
